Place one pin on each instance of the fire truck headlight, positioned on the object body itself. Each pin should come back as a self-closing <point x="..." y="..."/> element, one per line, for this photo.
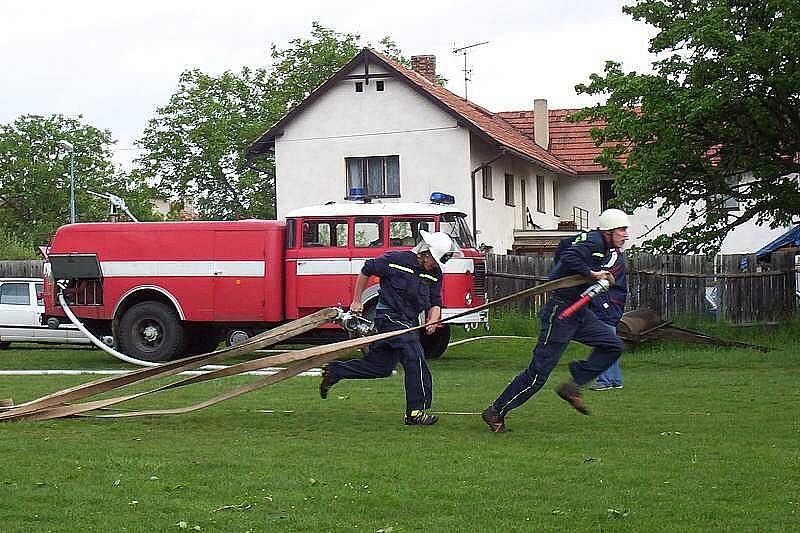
<point x="468" y="299"/>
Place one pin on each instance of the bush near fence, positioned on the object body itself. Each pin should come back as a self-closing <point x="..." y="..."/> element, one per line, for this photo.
<point x="747" y="291"/>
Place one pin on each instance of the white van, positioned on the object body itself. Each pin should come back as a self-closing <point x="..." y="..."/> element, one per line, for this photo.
<point x="21" y="310"/>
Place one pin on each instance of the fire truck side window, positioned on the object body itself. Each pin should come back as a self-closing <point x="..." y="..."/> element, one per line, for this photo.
<point x="324" y="233"/>
<point x="405" y="232"/>
<point x="291" y="228"/>
<point x="368" y="232"/>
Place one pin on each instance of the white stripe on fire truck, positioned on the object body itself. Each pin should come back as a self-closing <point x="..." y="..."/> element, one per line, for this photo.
<point x="118" y="269"/>
<point x="315" y="267"/>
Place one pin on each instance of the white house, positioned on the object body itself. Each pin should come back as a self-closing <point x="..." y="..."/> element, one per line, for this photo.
<point x="525" y="178"/>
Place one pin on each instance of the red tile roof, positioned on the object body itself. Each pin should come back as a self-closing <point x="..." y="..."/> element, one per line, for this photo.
<point x="492" y="124"/>
<point x="571" y="142"/>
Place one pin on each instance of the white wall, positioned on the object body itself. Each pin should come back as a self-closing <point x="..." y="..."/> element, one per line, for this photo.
<point x="310" y="155"/>
<point x="582" y="191"/>
<point x="495" y="219"/>
<point x="745" y="239"/>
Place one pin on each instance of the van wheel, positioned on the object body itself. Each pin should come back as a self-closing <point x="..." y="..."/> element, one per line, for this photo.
<point x="435" y="344"/>
<point x="4" y="345"/>
<point x="151" y="331"/>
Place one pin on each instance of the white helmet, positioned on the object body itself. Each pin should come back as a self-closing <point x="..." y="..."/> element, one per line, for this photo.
<point x="613" y="219"/>
<point x="439" y="244"/>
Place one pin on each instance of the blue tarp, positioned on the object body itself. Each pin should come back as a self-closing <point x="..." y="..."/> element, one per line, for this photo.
<point x="790" y="237"/>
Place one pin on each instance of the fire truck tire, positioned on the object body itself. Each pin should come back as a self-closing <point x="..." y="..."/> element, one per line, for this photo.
<point x="151" y="331"/>
<point x="436" y="343"/>
<point x="236" y="335"/>
<point x="200" y="339"/>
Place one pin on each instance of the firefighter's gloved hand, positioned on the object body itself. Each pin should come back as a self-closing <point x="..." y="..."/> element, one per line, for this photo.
<point x="357" y="307"/>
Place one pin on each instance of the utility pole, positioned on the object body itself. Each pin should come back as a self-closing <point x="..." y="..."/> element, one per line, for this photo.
<point x="67" y="146"/>
<point x="467" y="71"/>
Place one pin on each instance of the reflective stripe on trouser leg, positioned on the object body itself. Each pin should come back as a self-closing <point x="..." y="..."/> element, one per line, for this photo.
<point x="553" y="339"/>
<point x="418" y="381"/>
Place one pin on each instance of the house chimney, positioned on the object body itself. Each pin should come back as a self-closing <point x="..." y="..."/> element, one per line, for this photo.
<point x="425" y="65"/>
<point x="541" y="123"/>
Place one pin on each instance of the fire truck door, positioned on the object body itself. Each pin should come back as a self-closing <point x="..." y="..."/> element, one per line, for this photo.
<point x="324" y="267"/>
<point x="238" y="276"/>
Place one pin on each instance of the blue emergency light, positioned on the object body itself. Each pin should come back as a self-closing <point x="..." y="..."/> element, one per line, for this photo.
<point x="356" y="193"/>
<point x="442" y="198"/>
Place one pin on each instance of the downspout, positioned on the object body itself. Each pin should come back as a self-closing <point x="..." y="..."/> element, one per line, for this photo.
<point x="500" y="154"/>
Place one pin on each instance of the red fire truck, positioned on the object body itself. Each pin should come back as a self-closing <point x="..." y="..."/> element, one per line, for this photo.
<point x="165" y="289"/>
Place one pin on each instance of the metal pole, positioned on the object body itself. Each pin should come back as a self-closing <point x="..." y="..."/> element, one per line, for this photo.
<point x="71" y="188"/>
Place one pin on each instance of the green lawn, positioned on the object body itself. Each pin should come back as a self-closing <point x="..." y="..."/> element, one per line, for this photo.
<point x="700" y="439"/>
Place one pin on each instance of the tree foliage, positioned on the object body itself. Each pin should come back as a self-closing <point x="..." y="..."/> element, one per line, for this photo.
<point x="195" y="145"/>
<point x="34" y="177"/>
<point x="719" y="118"/>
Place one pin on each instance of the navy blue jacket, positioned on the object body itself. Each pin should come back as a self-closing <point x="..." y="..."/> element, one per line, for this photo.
<point x="578" y="255"/>
<point x="407" y="288"/>
<point x="609" y="306"/>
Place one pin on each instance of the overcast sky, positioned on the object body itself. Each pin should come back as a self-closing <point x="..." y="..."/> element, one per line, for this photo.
<point x="115" y="63"/>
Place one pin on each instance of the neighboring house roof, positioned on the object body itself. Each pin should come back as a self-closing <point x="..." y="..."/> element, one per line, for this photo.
<point x="491" y="127"/>
<point x="790" y="238"/>
<point x="571" y="142"/>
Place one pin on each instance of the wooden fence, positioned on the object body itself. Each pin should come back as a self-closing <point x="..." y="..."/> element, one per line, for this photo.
<point x="743" y="290"/>
<point x="21" y="269"/>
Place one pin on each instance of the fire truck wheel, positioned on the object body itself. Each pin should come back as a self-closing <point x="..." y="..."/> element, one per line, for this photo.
<point x="435" y="344"/>
<point x="200" y="339"/>
<point x="151" y="331"/>
<point x="237" y="335"/>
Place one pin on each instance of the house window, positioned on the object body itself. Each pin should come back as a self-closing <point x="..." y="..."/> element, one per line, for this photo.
<point x="606" y="193"/>
<point x="359" y="86"/>
<point x="377" y="176"/>
<point x="368" y="232"/>
<point x="729" y="203"/>
<point x="324" y="233"/>
<point x="510" y="190"/>
<point x="540" y="194"/>
<point x="379" y="85"/>
<point x="555" y="197"/>
<point x="487" y="182"/>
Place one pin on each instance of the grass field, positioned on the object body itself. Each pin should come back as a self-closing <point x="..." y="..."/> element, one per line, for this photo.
<point x="700" y="439"/>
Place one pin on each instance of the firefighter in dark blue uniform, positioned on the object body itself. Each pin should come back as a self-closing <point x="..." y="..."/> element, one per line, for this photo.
<point x="585" y="257"/>
<point x="410" y="284"/>
<point x="609" y="308"/>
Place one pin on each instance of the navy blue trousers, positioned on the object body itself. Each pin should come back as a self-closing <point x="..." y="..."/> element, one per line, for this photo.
<point x="555" y="335"/>
<point x="382" y="358"/>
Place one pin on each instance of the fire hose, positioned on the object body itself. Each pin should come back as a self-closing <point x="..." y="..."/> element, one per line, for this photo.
<point x="57" y="404"/>
<point x="586" y="296"/>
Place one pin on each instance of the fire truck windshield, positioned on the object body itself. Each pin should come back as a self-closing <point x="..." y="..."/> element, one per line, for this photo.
<point x="456" y="226"/>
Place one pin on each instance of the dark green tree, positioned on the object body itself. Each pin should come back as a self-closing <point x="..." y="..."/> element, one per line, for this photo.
<point x="34" y="177"/>
<point x="195" y="146"/>
<point x="716" y="123"/>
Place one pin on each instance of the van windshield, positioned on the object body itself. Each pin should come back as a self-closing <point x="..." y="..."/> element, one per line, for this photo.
<point x="456" y="226"/>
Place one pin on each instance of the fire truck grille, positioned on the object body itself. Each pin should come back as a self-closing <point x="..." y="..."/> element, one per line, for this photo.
<point x="479" y="287"/>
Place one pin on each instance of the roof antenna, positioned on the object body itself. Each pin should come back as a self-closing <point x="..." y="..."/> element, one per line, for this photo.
<point x="467" y="71"/>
